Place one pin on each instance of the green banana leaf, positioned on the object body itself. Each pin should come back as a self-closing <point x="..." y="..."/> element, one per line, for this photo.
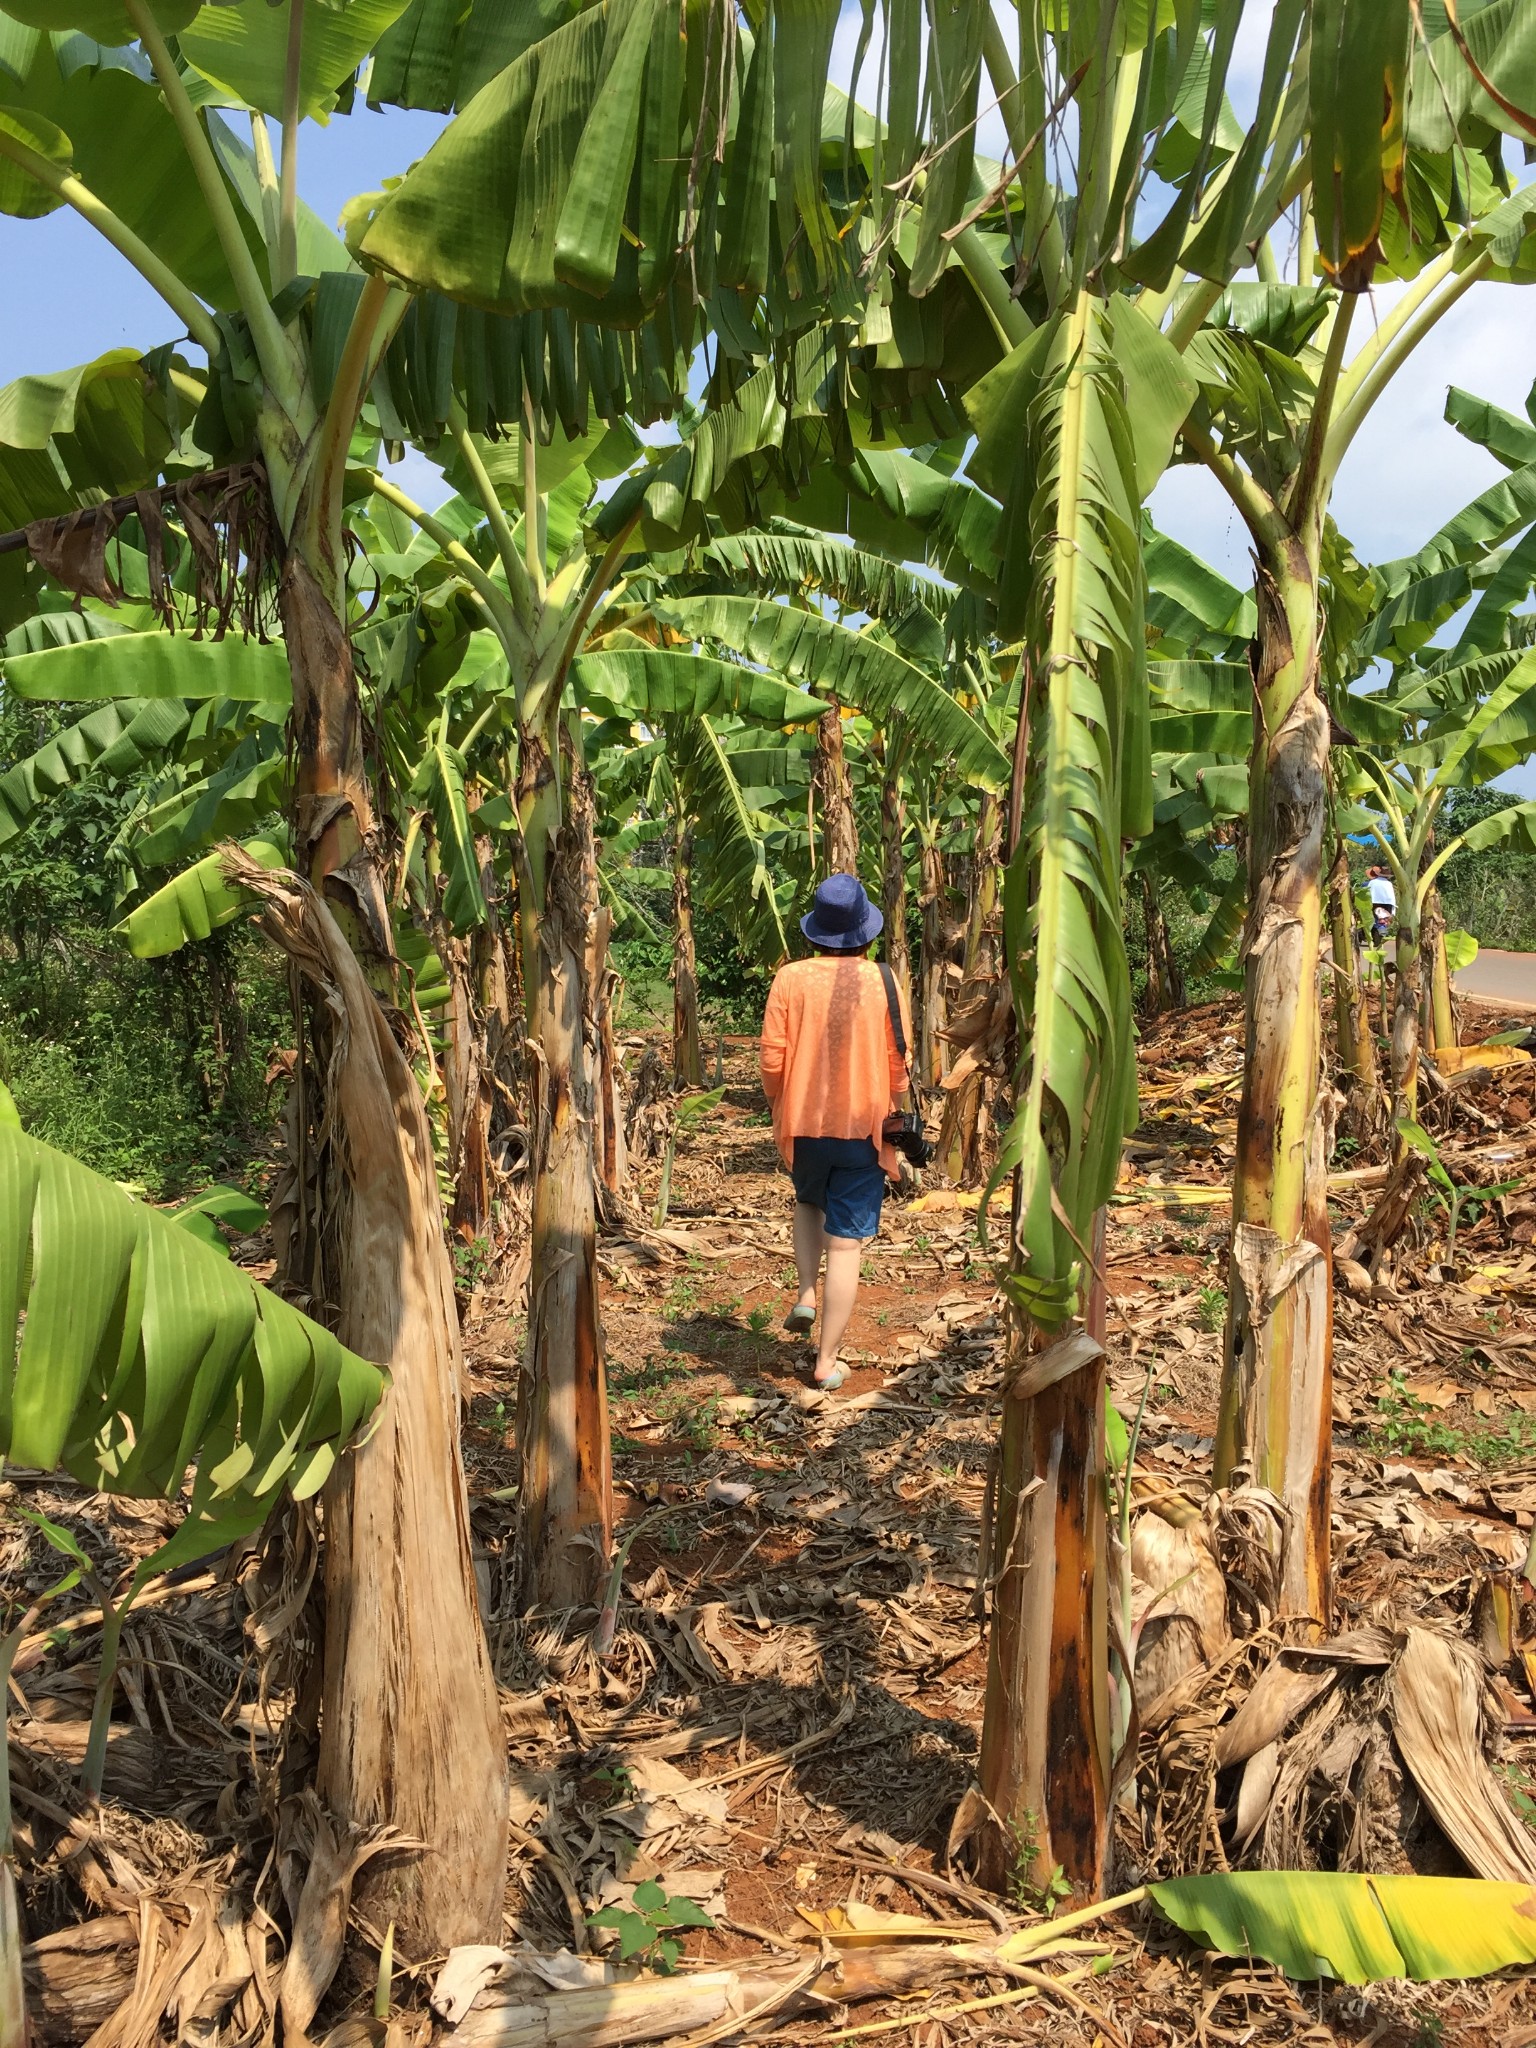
<point x="124" y="144"/>
<point x="194" y="903"/>
<point x="131" y="1350"/>
<point x="797" y="560"/>
<point x="1087" y="787"/>
<point x="238" y="797"/>
<point x="1360" y="1929"/>
<point x="203" y="1214"/>
<point x="1359" y="58"/>
<point x="100" y="427"/>
<point x="117" y="740"/>
<point x="859" y="671"/>
<point x="439" y="784"/>
<point x="245" y="49"/>
<point x="733" y="877"/>
<point x="153" y="665"/>
<point x="649" y="682"/>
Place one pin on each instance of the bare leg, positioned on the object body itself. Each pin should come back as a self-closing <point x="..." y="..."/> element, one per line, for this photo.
<point x="843" y="1256"/>
<point x="809" y="1244"/>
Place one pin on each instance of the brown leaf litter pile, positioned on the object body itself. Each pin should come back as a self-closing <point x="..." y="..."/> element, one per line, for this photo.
<point x="789" y="1711"/>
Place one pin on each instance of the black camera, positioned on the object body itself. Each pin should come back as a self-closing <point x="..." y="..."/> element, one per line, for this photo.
<point x="905" y="1132"/>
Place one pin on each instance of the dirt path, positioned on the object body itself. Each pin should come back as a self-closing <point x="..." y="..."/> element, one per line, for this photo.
<point x="792" y="1703"/>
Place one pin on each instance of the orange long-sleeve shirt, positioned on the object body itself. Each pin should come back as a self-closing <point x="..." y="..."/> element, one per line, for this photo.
<point x="830" y="1064"/>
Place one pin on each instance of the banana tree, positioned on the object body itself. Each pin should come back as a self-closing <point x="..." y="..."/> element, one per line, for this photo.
<point x="1281" y="400"/>
<point x="1073" y="430"/>
<point x="706" y="783"/>
<point x="569" y="637"/>
<point x="1441" y="725"/>
<point x="120" y="130"/>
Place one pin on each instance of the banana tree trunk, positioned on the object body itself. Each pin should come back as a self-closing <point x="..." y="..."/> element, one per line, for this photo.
<point x="1276" y="1413"/>
<point x="1407" y="1002"/>
<point x="486" y="1003"/>
<point x="687" y="1066"/>
<point x="1165" y="983"/>
<point x="567" y="1473"/>
<point x="468" y="1092"/>
<point x="934" y="963"/>
<point x="839" y="851"/>
<point x="986" y="875"/>
<point x="893" y="873"/>
<point x="1045" y="1747"/>
<point x="410" y="1731"/>
<point x="608" y="1144"/>
<point x="970" y="1023"/>
<point x="1354" y="1036"/>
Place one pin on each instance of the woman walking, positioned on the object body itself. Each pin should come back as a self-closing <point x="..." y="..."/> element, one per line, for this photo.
<point x="833" y="1069"/>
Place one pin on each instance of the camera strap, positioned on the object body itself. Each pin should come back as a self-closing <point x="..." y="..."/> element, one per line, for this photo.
<point x="893" y="1004"/>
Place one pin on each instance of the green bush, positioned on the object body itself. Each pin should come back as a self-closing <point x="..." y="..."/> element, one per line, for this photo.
<point x="151" y="1072"/>
<point x="1491" y="895"/>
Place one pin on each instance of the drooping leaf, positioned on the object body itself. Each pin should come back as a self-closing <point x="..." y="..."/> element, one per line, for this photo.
<point x="104" y="21"/>
<point x="130" y="1351"/>
<point x="856" y="669"/>
<point x="1084" y="638"/>
<point x="119" y="739"/>
<point x="203" y="1214"/>
<point x="1507" y="437"/>
<point x="72" y="436"/>
<point x="439" y="784"/>
<point x="245" y="48"/>
<point x="237" y="798"/>
<point x="1358" y="75"/>
<point x="660" y="682"/>
<point x="1515" y="827"/>
<point x="735" y="879"/>
<point x="23" y="196"/>
<point x="194" y="903"/>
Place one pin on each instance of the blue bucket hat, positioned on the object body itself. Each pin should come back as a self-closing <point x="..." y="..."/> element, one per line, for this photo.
<point x="841" y="916"/>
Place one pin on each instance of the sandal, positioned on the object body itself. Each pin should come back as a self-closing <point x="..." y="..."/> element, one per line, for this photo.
<point x="800" y="1321"/>
<point x="833" y="1380"/>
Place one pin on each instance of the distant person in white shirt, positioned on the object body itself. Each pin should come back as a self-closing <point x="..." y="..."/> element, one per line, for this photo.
<point x="1378" y="886"/>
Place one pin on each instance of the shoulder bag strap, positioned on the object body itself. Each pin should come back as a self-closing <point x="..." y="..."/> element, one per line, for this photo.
<point x="893" y="1004"/>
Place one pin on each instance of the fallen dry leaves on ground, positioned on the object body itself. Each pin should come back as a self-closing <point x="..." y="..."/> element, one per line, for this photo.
<point x="788" y="1713"/>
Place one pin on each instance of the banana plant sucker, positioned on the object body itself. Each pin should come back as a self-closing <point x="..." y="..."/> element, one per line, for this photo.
<point x="1442" y="1012"/>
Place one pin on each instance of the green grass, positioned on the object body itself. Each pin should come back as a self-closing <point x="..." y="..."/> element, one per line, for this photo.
<point x="1408" y="1427"/>
<point x="629" y="1380"/>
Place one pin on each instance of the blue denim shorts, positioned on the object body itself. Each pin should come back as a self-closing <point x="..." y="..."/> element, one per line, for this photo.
<point x="843" y="1178"/>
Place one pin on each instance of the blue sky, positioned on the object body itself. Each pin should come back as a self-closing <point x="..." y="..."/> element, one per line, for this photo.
<point x="70" y="299"/>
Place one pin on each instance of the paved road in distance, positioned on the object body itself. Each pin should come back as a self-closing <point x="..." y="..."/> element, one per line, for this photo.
<point x="1501" y="978"/>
